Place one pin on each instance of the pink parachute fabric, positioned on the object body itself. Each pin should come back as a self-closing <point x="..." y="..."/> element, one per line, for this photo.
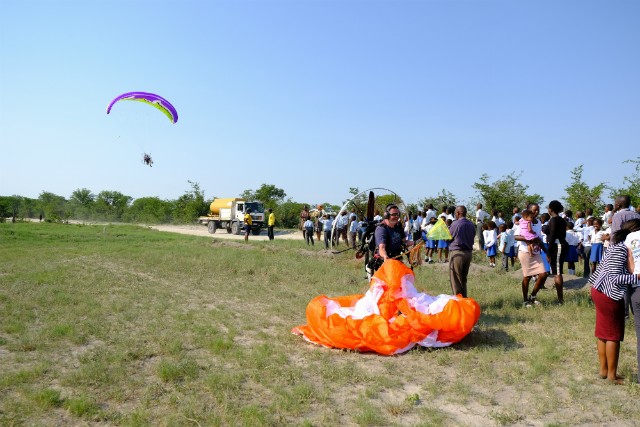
<point x="391" y="318"/>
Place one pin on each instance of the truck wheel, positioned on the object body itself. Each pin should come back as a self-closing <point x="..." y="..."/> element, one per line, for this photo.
<point x="235" y="228"/>
<point x="256" y="231"/>
<point x="212" y="227"/>
<point x="229" y="230"/>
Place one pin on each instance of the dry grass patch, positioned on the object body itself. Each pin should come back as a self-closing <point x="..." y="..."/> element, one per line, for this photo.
<point x="123" y="325"/>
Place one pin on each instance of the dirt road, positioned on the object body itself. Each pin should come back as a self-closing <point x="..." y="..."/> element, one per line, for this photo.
<point x="201" y="230"/>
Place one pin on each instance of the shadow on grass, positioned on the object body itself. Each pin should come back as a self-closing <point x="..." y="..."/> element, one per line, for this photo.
<point x="488" y="338"/>
<point x="480" y="338"/>
<point x="576" y="283"/>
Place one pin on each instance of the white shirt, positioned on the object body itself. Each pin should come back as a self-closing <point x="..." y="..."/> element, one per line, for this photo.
<point x="586" y="231"/>
<point x="596" y="236"/>
<point x="326" y="224"/>
<point x="605" y="219"/>
<point x="481" y="216"/>
<point x="431" y="213"/>
<point x="489" y="238"/>
<point x="633" y="243"/>
<point x="573" y="238"/>
<point x="342" y="221"/>
<point x="497" y="220"/>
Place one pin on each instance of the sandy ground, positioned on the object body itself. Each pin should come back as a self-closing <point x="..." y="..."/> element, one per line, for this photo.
<point x="201" y="230"/>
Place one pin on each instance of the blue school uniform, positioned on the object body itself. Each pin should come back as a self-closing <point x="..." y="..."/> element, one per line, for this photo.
<point x="572" y="254"/>
<point x="443" y="244"/>
<point x="597" y="250"/>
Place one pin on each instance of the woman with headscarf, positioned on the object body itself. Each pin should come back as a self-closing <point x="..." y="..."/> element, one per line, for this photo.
<point x="609" y="284"/>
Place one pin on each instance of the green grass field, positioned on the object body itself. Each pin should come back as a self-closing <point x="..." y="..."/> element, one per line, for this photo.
<point x="123" y="325"/>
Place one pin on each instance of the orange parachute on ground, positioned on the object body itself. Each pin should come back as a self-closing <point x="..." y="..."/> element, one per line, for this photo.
<point x="391" y="318"/>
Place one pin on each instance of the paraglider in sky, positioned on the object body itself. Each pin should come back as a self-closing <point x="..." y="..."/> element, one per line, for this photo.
<point x="148" y="98"/>
<point x="147" y="160"/>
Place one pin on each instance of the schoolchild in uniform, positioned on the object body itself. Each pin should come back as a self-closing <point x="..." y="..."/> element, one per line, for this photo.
<point x="586" y="246"/>
<point x="490" y="241"/>
<point x="503" y="246"/>
<point x="574" y="240"/>
<point x="430" y="244"/>
<point x="597" y="237"/>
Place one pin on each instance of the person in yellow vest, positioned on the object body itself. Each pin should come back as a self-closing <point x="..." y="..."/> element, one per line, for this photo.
<point x="271" y="223"/>
<point x="247" y="224"/>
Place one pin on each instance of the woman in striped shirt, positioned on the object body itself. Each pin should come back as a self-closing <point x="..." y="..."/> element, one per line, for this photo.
<point x="607" y="292"/>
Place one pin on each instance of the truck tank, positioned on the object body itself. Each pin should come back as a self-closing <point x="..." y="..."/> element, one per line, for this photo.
<point x="222" y="203"/>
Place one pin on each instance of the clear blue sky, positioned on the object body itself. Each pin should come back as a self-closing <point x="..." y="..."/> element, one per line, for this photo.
<point x="316" y="97"/>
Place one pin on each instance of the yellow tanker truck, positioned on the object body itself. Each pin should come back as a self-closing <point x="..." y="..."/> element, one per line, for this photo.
<point x="229" y="214"/>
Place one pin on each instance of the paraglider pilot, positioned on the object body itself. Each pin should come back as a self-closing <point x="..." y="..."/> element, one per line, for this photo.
<point x="147" y="160"/>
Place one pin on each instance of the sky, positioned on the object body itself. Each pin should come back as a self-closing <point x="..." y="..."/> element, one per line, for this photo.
<point x="316" y="97"/>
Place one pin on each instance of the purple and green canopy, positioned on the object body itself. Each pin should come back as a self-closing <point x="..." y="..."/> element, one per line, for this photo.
<point x="148" y="98"/>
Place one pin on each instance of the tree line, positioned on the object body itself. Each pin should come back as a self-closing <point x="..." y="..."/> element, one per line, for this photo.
<point x="501" y="194"/>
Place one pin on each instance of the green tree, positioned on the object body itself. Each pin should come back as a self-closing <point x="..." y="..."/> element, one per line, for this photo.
<point x="288" y="214"/>
<point x="631" y="184"/>
<point x="82" y="202"/>
<point x="268" y="194"/>
<point x="9" y="207"/>
<point x="111" y="205"/>
<point x="445" y="198"/>
<point x="505" y="193"/>
<point x="190" y="205"/>
<point x="360" y="202"/>
<point x="149" y="210"/>
<point x="580" y="196"/>
<point x="52" y="206"/>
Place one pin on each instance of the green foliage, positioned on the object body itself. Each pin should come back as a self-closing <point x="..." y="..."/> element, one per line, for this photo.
<point x="445" y="198"/>
<point x="110" y="205"/>
<point x="580" y="196"/>
<point x="9" y="206"/>
<point x="504" y="194"/>
<point x="82" y="202"/>
<point x="149" y="210"/>
<point x="631" y="184"/>
<point x="288" y="214"/>
<point x="190" y="205"/>
<point x="82" y="406"/>
<point x="52" y="206"/>
<point x="268" y="194"/>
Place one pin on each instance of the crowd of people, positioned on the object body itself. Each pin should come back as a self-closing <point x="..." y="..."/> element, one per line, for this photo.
<point x="607" y="247"/>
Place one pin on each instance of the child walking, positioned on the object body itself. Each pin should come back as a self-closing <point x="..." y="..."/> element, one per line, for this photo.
<point x="308" y="231"/>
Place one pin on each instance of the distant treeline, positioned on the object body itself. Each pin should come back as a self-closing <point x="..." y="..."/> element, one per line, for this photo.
<point x="114" y="206"/>
<point x="502" y="194"/>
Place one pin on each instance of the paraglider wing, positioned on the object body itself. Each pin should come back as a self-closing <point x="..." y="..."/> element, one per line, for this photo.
<point x="439" y="231"/>
<point x="148" y="98"/>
